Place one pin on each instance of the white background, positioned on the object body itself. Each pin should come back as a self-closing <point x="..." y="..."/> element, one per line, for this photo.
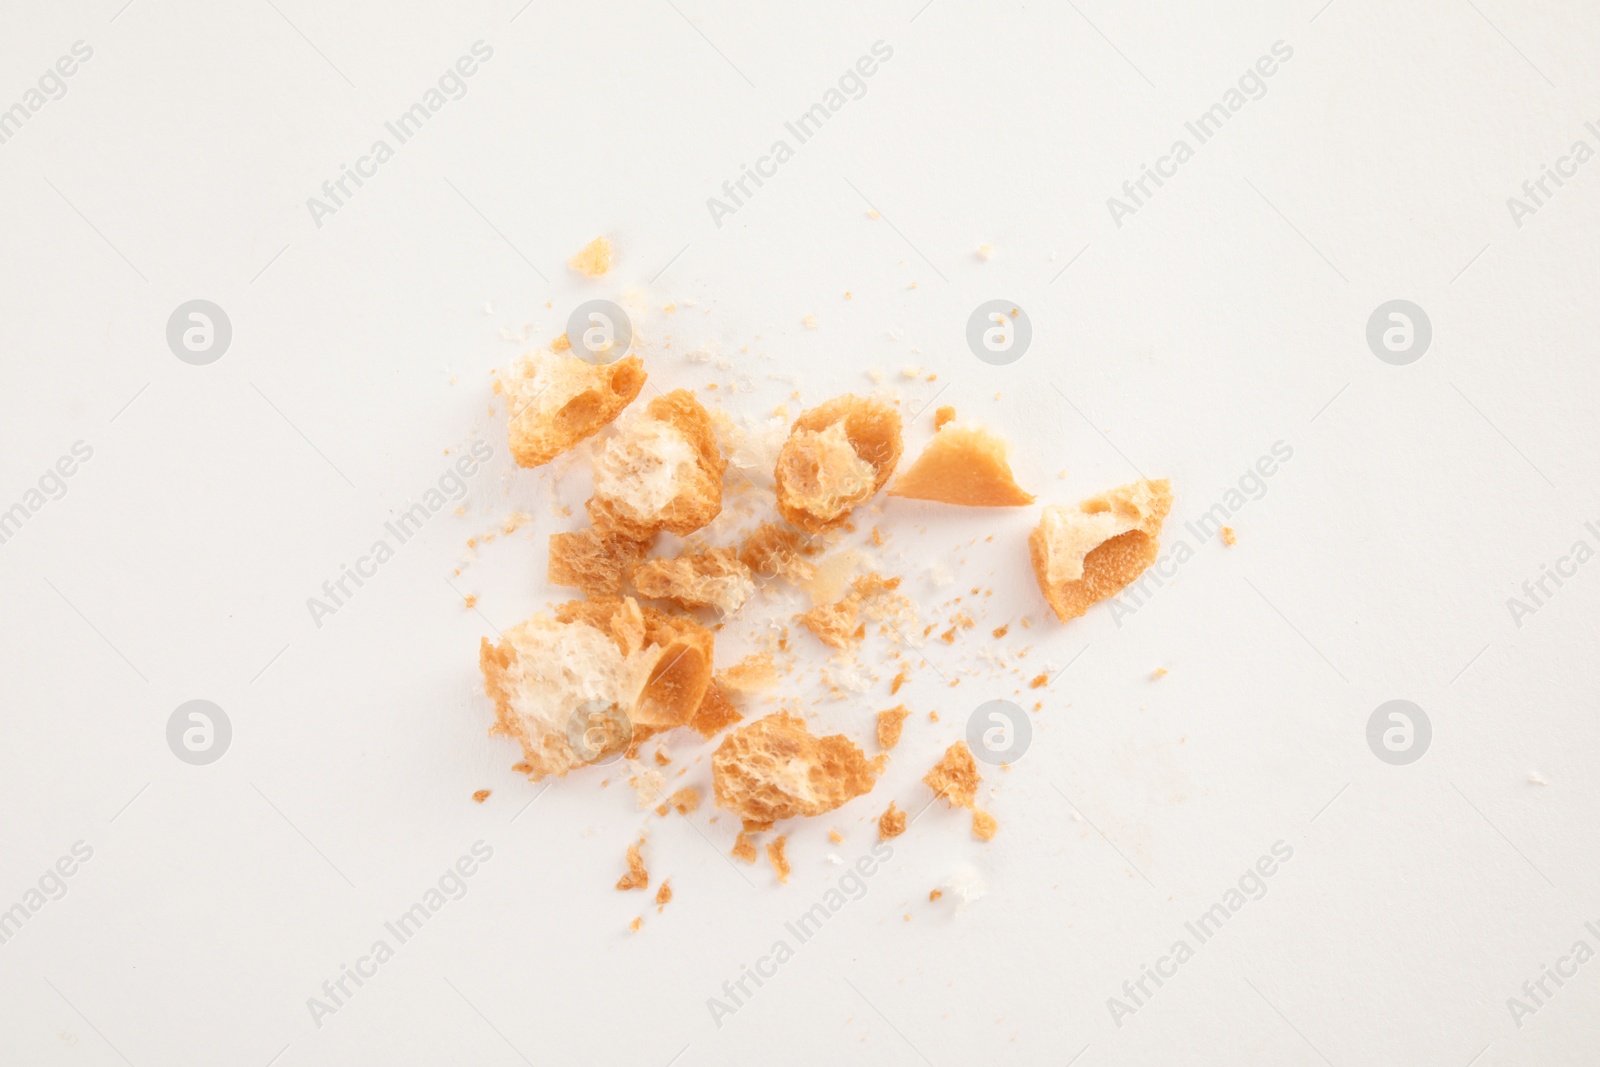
<point x="1226" y="315"/>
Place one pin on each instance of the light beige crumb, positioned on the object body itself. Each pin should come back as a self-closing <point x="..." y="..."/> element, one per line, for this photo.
<point x="470" y="600"/>
<point x="685" y="800"/>
<point x="809" y="322"/>
<point x="1159" y="672"/>
<point x="890" y="723"/>
<point x="835" y="836"/>
<point x="594" y="259"/>
<point x="985" y="252"/>
<point x="638" y="921"/>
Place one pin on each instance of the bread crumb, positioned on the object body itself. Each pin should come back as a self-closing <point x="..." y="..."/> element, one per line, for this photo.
<point x="984" y="825"/>
<point x="1159" y="672"/>
<point x="661" y="758"/>
<point x="1039" y="681"/>
<point x="638" y="921"/>
<point x="481" y="795"/>
<point x="838" y="455"/>
<point x="744" y="848"/>
<point x="752" y="674"/>
<point x="955" y="777"/>
<point x="835" y="836"/>
<point x="770" y="551"/>
<point x="890" y="723"/>
<point x="1000" y="631"/>
<point x="663" y="471"/>
<point x="1229" y="538"/>
<point x="715" y="713"/>
<point x="685" y="800"/>
<point x="594" y="259"/>
<point x="555" y="400"/>
<point x="943" y="415"/>
<point x="892" y="823"/>
<point x="966" y="465"/>
<point x="985" y="252"/>
<point x="714" y="579"/>
<point x="470" y="600"/>
<point x="836" y="625"/>
<point x="774" y="768"/>
<point x="1085" y="554"/>
<point x="664" y="894"/>
<point x="809" y="322"/>
<point x="775" y="854"/>
<point x="899" y="680"/>
<point x="637" y="877"/>
<point x="935" y="894"/>
<point x="933" y="716"/>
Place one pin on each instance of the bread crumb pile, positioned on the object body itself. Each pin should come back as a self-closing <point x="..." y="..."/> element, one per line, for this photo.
<point x="749" y="511"/>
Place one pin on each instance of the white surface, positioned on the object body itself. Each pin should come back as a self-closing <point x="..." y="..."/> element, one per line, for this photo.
<point x="1208" y="326"/>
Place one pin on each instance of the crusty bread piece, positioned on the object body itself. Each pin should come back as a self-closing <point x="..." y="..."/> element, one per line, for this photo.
<point x="750" y="675"/>
<point x="663" y="471"/>
<point x="598" y="563"/>
<point x="966" y="465"/>
<point x="715" y="712"/>
<point x="955" y="777"/>
<point x="836" y="625"/>
<point x="555" y="400"/>
<point x="839" y="454"/>
<point x="773" y="551"/>
<point x="1083" y="555"/>
<point x="890" y="723"/>
<point x="588" y="682"/>
<point x="892" y="823"/>
<point x="774" y="768"/>
<point x="714" y="579"/>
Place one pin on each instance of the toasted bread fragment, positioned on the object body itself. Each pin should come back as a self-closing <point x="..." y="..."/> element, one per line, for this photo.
<point x="662" y="472"/>
<point x="715" y="712"/>
<point x="774" y="768"/>
<point x="1229" y="538"/>
<point x="838" y="454"/>
<point x="637" y="877"/>
<point x="892" y="823"/>
<point x="480" y="795"/>
<point x="685" y="800"/>
<point x="555" y="400"/>
<point x="890" y="723"/>
<point x="984" y="825"/>
<point x="772" y="551"/>
<point x="744" y="848"/>
<point x="1083" y="555"/>
<point x="955" y="777"/>
<point x="965" y="465"/>
<point x="750" y="675"/>
<point x="778" y="858"/>
<point x="593" y="680"/>
<point x="943" y="415"/>
<point x="593" y="259"/>
<point x="714" y="579"/>
<point x="836" y="625"/>
<point x="594" y="562"/>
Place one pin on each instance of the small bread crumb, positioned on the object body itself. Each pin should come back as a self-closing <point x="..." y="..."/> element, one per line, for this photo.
<point x="892" y="823"/>
<point x="955" y="777"/>
<point x="935" y="894"/>
<point x="481" y="795"/>
<point x="774" y="768"/>
<point x="638" y="921"/>
<point x="1159" y="672"/>
<point x="685" y="800"/>
<point x="470" y="600"/>
<point x="984" y="825"/>
<point x="744" y="848"/>
<point x="890" y="723"/>
<point x="964" y="465"/>
<point x="809" y="322"/>
<point x="637" y="877"/>
<point x="593" y="259"/>
<point x="664" y="894"/>
<point x="775" y="853"/>
<point x="1039" y="681"/>
<point x="943" y="415"/>
<point x="835" y="836"/>
<point x="985" y="252"/>
<point x="1085" y="554"/>
<point x="1229" y="538"/>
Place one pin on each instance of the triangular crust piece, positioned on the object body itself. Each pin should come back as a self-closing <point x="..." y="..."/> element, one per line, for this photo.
<point x="964" y="465"/>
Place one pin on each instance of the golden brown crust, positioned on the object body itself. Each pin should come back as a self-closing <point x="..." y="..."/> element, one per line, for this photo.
<point x="774" y="768"/>
<point x="778" y="858"/>
<point x="955" y="777"/>
<point x="594" y="562"/>
<point x="963" y="465"/>
<point x="744" y="848"/>
<point x="890" y="723"/>
<point x="892" y="823"/>
<point x="1136" y="511"/>
<point x="714" y="579"/>
<point x="715" y="713"/>
<point x="555" y="400"/>
<point x="817" y="484"/>
<point x="636" y="458"/>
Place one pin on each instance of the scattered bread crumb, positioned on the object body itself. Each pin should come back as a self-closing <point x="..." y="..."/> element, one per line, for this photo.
<point x="715" y="712"/>
<point x="835" y="836"/>
<point x="890" y="723"/>
<point x="714" y="579"/>
<point x="481" y="795"/>
<point x="637" y="877"/>
<point x="809" y="322"/>
<point x="774" y="768"/>
<point x="984" y="825"/>
<point x="638" y="921"/>
<point x="685" y="800"/>
<point x="663" y="471"/>
<point x="593" y="259"/>
<point x="1229" y="538"/>
<point x="943" y="415"/>
<point x="1086" y="554"/>
<point x="964" y="464"/>
<point x="1159" y="672"/>
<point x="744" y="848"/>
<point x="892" y="823"/>
<point x="985" y="252"/>
<point x="838" y="455"/>
<point x="664" y="894"/>
<point x="935" y="894"/>
<point x="470" y="601"/>
<point x="1039" y="681"/>
<point x="594" y="562"/>
<point x="555" y="400"/>
<point x="780" y="861"/>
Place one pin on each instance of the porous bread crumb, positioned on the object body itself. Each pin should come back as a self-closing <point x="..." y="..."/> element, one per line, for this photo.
<point x="481" y="795"/>
<point x="942" y="415"/>
<point x="955" y="777"/>
<point x="892" y="823"/>
<point x="780" y="861"/>
<point x="838" y="455"/>
<point x="836" y="625"/>
<point x="935" y="894"/>
<point x="663" y="471"/>
<point x="685" y="800"/>
<point x="1039" y="681"/>
<point x="1086" y="554"/>
<point x="715" y="579"/>
<point x="744" y="848"/>
<point x="984" y="825"/>
<point x="560" y="343"/>
<point x="593" y="259"/>
<point x="890" y="723"/>
<point x="579" y="686"/>
<point x="594" y="562"/>
<point x="715" y="712"/>
<point x="770" y="551"/>
<point x="964" y="464"/>
<point x="637" y="877"/>
<point x="555" y="400"/>
<point x="1229" y="538"/>
<point x="835" y="836"/>
<point x="664" y="894"/>
<point x="750" y="675"/>
<point x="774" y="768"/>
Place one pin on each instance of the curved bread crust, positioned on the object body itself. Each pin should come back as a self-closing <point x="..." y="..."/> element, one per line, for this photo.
<point x="556" y="400"/>
<point x="774" y="768"/>
<point x="1084" y="555"/>
<point x="664" y="472"/>
<point x="681" y="670"/>
<point x="815" y="483"/>
<point x="963" y="465"/>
